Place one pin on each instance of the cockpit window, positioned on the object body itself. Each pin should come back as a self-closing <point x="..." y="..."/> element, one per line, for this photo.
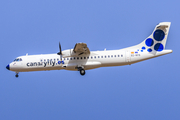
<point x="18" y="59"/>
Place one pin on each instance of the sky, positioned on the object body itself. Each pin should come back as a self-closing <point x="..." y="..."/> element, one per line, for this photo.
<point x="146" y="90"/>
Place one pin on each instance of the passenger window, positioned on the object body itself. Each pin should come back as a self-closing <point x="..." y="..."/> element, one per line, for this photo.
<point x="105" y="56"/>
<point x="111" y="55"/>
<point x="87" y="57"/>
<point x="91" y="57"/>
<point x="121" y="55"/>
<point x="114" y="55"/>
<point x="70" y="58"/>
<point x="67" y="58"/>
<point x="81" y="57"/>
<point x="84" y="57"/>
<point x="101" y="56"/>
<point x="118" y="56"/>
<point x="108" y="56"/>
<point x="98" y="56"/>
<point x="95" y="57"/>
<point x="78" y="58"/>
<point x="64" y="58"/>
<point x="74" y="58"/>
<point x="57" y="59"/>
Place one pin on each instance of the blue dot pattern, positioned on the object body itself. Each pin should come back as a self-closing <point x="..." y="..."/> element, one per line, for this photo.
<point x="149" y="50"/>
<point x="158" y="47"/>
<point x="143" y="48"/>
<point x="159" y="35"/>
<point x="149" y="42"/>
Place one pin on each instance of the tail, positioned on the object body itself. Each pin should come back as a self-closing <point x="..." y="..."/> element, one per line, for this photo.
<point x="156" y="42"/>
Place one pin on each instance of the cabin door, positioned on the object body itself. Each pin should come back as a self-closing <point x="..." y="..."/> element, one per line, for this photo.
<point x="128" y="56"/>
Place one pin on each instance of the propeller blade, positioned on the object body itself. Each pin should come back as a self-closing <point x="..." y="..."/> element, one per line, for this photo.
<point x="60" y="51"/>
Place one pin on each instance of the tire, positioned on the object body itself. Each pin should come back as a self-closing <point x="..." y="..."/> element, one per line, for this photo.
<point x="16" y="75"/>
<point x="82" y="72"/>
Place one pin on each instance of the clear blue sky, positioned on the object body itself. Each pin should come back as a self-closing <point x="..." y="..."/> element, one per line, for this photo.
<point x="147" y="90"/>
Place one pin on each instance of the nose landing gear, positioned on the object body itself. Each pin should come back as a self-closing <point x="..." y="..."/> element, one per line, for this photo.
<point x="16" y="75"/>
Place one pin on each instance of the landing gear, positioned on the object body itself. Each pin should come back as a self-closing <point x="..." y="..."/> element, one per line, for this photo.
<point x="16" y="75"/>
<point x="82" y="72"/>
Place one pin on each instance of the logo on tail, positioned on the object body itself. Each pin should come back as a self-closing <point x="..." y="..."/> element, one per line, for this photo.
<point x="157" y="40"/>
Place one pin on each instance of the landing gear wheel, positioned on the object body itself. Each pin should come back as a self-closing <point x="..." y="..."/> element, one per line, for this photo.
<point x="82" y="71"/>
<point x="16" y="75"/>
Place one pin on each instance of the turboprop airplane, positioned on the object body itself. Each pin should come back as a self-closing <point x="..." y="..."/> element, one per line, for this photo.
<point x="81" y="58"/>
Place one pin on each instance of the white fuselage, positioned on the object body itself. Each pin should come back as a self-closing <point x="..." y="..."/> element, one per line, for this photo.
<point x="95" y="59"/>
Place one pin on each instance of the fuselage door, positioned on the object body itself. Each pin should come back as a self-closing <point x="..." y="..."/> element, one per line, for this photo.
<point x="128" y="56"/>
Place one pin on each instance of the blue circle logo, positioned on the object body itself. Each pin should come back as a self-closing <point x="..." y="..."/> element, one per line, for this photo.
<point x="143" y="48"/>
<point x="158" y="47"/>
<point x="159" y="35"/>
<point x="149" y="50"/>
<point x="149" y="42"/>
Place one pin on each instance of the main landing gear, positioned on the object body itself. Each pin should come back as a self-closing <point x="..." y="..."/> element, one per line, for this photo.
<point x="81" y="70"/>
<point x="17" y="75"/>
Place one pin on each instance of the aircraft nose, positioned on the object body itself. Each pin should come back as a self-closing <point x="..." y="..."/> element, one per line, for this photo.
<point x="7" y="67"/>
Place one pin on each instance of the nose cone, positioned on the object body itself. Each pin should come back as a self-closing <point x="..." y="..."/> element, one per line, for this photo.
<point x="7" y="67"/>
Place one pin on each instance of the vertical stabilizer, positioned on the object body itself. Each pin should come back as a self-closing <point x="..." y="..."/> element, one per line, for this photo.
<point x="156" y="42"/>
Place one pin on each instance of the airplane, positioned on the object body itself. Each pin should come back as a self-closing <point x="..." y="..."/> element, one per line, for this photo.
<point x="80" y="58"/>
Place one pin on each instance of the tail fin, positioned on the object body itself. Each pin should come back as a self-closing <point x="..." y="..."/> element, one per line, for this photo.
<point x="156" y="42"/>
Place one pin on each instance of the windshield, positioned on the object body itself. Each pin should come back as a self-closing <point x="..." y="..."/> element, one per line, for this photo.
<point x="18" y="59"/>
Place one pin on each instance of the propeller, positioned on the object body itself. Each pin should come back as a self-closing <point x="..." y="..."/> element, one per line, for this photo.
<point x="60" y="51"/>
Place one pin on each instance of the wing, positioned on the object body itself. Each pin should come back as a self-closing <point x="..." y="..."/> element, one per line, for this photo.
<point x="81" y="48"/>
